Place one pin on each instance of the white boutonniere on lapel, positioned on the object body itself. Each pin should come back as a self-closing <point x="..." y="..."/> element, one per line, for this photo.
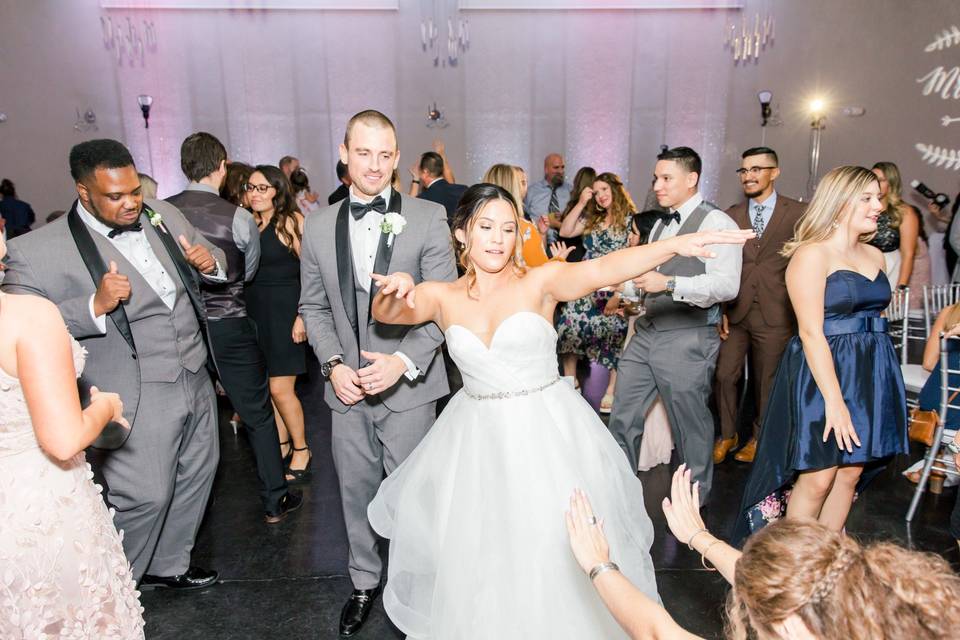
<point x="156" y="220"/>
<point x="392" y="224"/>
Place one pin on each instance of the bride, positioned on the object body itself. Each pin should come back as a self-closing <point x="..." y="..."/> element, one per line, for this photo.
<point x="475" y="514"/>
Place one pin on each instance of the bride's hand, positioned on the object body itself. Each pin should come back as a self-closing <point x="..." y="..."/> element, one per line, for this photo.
<point x="589" y="545"/>
<point x="682" y="508"/>
<point x="113" y="401"/>
<point x="400" y="283"/>
<point x="695" y="244"/>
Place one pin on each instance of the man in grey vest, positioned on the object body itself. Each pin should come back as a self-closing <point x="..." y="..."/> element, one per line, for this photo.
<point x="384" y="380"/>
<point x="241" y="365"/>
<point x="674" y="350"/>
<point x="123" y="273"/>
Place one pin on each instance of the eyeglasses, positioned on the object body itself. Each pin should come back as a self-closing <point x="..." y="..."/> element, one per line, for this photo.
<point x="752" y="170"/>
<point x="262" y="188"/>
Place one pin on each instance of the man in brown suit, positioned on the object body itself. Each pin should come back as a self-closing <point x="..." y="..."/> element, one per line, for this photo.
<point x="760" y="319"/>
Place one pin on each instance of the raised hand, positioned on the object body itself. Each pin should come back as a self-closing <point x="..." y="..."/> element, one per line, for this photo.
<point x="439" y="147"/>
<point x="586" y="195"/>
<point x="398" y="283"/>
<point x="198" y="256"/>
<point x="560" y="250"/>
<point x="695" y="244"/>
<point x="838" y="420"/>
<point x="114" y="288"/>
<point x="382" y="373"/>
<point x="682" y="508"/>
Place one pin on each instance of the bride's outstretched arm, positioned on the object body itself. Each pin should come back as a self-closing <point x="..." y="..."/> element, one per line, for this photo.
<point x="400" y="301"/>
<point x="569" y="281"/>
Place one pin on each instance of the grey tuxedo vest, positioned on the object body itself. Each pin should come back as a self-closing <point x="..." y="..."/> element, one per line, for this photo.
<point x="662" y="312"/>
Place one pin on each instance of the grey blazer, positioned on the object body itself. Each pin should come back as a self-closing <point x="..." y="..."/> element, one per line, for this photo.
<point x="424" y="250"/>
<point x="47" y="263"/>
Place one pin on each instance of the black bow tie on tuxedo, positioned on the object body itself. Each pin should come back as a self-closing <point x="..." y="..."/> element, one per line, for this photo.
<point x="360" y="209"/>
<point x="668" y="217"/>
<point x="136" y="226"/>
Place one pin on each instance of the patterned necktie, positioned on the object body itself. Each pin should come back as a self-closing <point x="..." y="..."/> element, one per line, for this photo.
<point x="360" y="209"/>
<point x="758" y="220"/>
<point x="136" y="226"/>
<point x="554" y="206"/>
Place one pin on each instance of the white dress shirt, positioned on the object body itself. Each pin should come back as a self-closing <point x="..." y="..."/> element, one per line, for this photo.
<point x="136" y="249"/>
<point x="721" y="281"/>
<point x="364" y="242"/>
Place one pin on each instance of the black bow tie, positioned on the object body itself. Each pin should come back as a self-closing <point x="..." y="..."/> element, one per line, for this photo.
<point x="136" y="226"/>
<point x="668" y="217"/>
<point x="360" y="209"/>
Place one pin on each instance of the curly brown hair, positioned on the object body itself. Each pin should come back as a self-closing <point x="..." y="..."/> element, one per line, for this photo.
<point x="839" y="588"/>
<point x="622" y="206"/>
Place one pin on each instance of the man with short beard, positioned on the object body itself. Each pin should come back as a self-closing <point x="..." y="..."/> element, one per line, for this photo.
<point x="760" y="320"/>
<point x="384" y="380"/>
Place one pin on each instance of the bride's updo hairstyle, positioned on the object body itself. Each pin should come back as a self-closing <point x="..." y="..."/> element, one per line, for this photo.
<point x="839" y="588"/>
<point x="474" y="199"/>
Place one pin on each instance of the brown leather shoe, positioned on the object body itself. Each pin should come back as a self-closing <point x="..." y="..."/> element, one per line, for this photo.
<point x="747" y="453"/>
<point x="722" y="448"/>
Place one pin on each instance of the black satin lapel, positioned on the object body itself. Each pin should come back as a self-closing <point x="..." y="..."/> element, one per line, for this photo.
<point x="381" y="263"/>
<point x="348" y="292"/>
<point x="94" y="262"/>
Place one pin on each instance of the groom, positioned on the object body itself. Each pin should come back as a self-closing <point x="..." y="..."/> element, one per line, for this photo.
<point x="384" y="380"/>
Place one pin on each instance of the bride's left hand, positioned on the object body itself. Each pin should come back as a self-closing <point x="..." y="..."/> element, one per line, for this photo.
<point x="695" y="244"/>
<point x="400" y="283"/>
<point x="589" y="545"/>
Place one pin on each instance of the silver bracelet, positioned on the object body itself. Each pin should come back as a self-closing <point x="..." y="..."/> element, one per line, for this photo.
<point x="602" y="567"/>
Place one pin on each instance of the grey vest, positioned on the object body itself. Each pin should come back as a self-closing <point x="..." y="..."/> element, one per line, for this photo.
<point x="168" y="341"/>
<point x="213" y="216"/>
<point x="662" y="312"/>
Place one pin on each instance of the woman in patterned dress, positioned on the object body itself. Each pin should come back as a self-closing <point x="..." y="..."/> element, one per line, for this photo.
<point x="602" y="217"/>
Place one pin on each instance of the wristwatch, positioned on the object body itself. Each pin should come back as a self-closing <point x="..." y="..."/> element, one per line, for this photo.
<point x="954" y="447"/>
<point x="326" y="368"/>
<point x="671" y="285"/>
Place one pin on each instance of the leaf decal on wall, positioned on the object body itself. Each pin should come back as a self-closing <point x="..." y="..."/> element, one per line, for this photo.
<point x="940" y="156"/>
<point x="947" y="38"/>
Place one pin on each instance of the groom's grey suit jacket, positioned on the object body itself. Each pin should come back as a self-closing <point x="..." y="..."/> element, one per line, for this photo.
<point x="157" y="343"/>
<point x="329" y="288"/>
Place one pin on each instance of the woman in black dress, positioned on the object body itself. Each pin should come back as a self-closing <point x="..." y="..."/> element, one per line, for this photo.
<point x="272" y="299"/>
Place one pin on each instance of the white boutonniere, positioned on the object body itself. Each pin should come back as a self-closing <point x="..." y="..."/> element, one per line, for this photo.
<point x="392" y="224"/>
<point x="156" y="219"/>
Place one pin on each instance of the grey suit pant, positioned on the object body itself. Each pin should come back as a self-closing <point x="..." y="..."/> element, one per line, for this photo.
<point x="368" y="441"/>
<point x="160" y="479"/>
<point x="678" y="365"/>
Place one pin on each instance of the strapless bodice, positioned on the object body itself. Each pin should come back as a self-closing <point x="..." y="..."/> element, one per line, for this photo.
<point x="850" y="293"/>
<point x="521" y="358"/>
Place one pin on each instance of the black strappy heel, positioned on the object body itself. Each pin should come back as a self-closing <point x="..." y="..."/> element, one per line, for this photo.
<point x="287" y="458"/>
<point x="299" y="475"/>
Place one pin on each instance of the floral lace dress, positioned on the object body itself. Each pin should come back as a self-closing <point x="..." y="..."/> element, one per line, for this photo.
<point x="62" y="569"/>
<point x="583" y="328"/>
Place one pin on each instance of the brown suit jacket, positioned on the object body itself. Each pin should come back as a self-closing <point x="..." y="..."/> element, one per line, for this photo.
<point x="762" y="278"/>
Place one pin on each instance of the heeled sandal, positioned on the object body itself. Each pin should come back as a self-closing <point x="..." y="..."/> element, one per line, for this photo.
<point x="289" y="455"/>
<point x="299" y="475"/>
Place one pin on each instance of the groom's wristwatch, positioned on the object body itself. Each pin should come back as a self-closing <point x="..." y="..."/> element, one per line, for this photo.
<point x="326" y="368"/>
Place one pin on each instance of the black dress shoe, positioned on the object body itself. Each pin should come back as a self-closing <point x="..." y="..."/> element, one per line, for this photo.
<point x="290" y="502"/>
<point x="356" y="610"/>
<point x="194" y="578"/>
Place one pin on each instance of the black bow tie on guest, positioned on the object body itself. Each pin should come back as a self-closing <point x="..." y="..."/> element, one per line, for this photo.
<point x="360" y="209"/>
<point x="668" y="217"/>
<point x="136" y="226"/>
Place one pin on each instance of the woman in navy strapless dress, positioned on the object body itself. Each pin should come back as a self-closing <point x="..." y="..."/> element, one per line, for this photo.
<point x="837" y="410"/>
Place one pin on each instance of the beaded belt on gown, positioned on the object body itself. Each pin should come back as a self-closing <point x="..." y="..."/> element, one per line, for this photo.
<point x="500" y="395"/>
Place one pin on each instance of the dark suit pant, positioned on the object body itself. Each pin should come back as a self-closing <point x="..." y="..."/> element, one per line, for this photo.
<point x="243" y="375"/>
<point x="765" y="344"/>
<point x="678" y="365"/>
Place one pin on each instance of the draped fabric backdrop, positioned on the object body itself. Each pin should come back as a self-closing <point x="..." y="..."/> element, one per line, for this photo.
<point x="604" y="87"/>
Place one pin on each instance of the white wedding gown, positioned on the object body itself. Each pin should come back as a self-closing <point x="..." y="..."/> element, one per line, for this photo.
<point x="475" y="515"/>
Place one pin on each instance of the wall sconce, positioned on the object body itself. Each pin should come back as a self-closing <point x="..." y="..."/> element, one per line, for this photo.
<point x="765" y="97"/>
<point x="435" y="118"/>
<point x="145" y="103"/>
<point x="818" y="121"/>
<point x="86" y="122"/>
<point x="3" y="117"/>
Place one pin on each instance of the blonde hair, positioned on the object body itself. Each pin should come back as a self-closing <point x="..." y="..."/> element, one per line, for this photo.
<point x="621" y="206"/>
<point x="952" y="317"/>
<point x="835" y="195"/>
<point x="508" y="177"/>
<point x="839" y="588"/>
<point x="891" y="172"/>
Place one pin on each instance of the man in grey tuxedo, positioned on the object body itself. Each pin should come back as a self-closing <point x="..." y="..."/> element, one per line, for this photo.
<point x="123" y="273"/>
<point x="384" y="380"/>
